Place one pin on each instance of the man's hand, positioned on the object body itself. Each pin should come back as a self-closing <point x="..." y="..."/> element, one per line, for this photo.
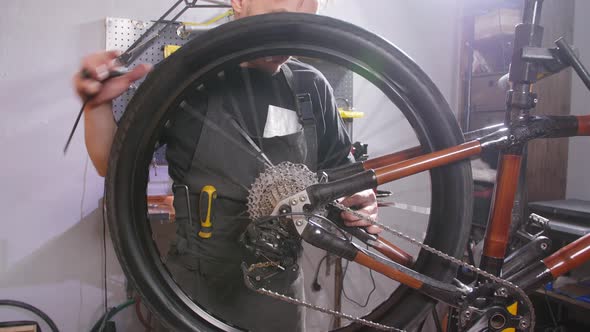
<point x="98" y="65"/>
<point x="94" y="88"/>
<point x="364" y="202"/>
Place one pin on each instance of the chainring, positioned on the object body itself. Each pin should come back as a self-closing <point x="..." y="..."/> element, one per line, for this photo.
<point x="487" y="305"/>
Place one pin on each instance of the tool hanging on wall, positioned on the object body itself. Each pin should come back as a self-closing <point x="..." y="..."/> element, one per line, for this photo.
<point x="186" y="28"/>
<point x="141" y="44"/>
<point x="206" y="208"/>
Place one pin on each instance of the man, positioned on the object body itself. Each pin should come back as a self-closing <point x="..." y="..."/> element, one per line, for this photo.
<point x="245" y="102"/>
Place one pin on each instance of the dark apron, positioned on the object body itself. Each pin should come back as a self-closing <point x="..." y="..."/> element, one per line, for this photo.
<point x="209" y="269"/>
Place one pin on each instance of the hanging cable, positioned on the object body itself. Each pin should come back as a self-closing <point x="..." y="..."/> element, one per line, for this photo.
<point x="315" y="286"/>
<point x="36" y="311"/>
<point x="140" y="316"/>
<point x="101" y="322"/>
<point x="368" y="296"/>
<point x="436" y="320"/>
<point x="104" y="248"/>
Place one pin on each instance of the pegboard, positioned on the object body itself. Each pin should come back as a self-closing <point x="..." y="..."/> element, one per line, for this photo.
<point x="340" y="79"/>
<point x="121" y="33"/>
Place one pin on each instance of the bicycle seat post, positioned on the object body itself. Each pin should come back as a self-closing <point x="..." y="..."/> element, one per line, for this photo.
<point x="523" y="73"/>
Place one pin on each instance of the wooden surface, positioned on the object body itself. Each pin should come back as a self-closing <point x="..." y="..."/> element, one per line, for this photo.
<point x="497" y="235"/>
<point x="162" y="205"/>
<point x="20" y="328"/>
<point x="163" y="229"/>
<point x="547" y="158"/>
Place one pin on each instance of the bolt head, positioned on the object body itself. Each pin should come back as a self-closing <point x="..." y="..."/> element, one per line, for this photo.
<point x="293" y="202"/>
<point x="502" y="292"/>
<point x="523" y="324"/>
<point x="302" y="198"/>
<point x="544" y="246"/>
<point x="299" y="223"/>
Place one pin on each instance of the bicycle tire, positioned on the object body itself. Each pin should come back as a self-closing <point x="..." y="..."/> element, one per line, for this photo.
<point x="295" y="34"/>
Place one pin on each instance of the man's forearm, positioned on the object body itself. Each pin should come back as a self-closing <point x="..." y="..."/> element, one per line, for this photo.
<point x="100" y="128"/>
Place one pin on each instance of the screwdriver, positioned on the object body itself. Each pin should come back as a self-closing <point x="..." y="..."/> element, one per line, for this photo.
<point x="206" y="199"/>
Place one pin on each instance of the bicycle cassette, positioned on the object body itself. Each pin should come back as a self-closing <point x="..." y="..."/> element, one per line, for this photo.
<point x="275" y="184"/>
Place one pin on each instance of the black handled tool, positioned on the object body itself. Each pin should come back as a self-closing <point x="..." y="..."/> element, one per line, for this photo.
<point x="86" y="74"/>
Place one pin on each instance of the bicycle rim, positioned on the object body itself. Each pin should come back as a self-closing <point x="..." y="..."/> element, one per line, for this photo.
<point x="371" y="57"/>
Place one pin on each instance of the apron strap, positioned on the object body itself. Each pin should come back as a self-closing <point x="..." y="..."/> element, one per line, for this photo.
<point x="304" y="107"/>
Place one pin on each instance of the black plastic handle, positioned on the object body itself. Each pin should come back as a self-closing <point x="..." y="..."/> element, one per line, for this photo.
<point x="322" y="193"/>
<point x="323" y="239"/>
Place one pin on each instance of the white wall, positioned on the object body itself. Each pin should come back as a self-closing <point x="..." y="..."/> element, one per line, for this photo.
<point x="435" y="47"/>
<point x="427" y="30"/>
<point x="51" y="239"/>
<point x="578" y="181"/>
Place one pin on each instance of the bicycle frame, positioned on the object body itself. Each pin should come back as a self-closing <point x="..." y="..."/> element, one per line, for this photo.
<point x="530" y="62"/>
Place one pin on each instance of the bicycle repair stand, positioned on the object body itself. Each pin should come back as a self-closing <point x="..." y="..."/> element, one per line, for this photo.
<point x="530" y="63"/>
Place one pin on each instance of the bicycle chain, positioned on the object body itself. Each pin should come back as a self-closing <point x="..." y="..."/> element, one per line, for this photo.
<point x="524" y="324"/>
<point x="295" y="301"/>
<point x="451" y="259"/>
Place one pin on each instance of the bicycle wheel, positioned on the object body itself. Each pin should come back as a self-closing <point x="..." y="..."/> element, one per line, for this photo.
<point x="376" y="60"/>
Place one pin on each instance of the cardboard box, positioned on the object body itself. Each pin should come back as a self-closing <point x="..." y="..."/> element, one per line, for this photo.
<point x="486" y="94"/>
<point x="497" y="22"/>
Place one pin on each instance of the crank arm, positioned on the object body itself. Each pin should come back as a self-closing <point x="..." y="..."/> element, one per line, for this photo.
<point x="323" y="239"/>
<point x="531" y="252"/>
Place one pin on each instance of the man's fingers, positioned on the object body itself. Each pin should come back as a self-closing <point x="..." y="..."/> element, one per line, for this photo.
<point x="353" y="200"/>
<point x="113" y="54"/>
<point x="89" y="88"/>
<point x="97" y="65"/>
<point x="352" y="220"/>
<point x="363" y="198"/>
<point x="138" y="72"/>
<point x="369" y="211"/>
<point x="357" y="223"/>
<point x="110" y="89"/>
<point x="374" y="229"/>
<point x="366" y="204"/>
